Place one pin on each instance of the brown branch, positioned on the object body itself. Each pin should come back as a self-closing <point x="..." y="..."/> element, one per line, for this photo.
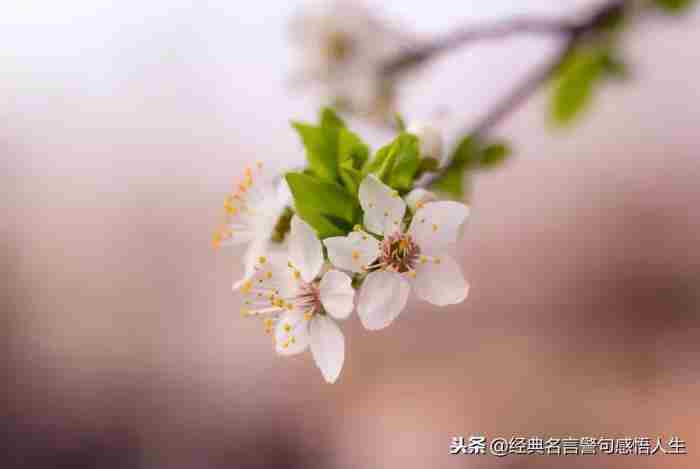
<point x="573" y="32"/>
<point x="463" y="36"/>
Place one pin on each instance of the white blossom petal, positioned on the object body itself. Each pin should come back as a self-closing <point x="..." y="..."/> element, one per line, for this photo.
<point x="337" y="294"/>
<point x="353" y="252"/>
<point x="292" y="333"/>
<point x="382" y="297"/>
<point x="305" y="250"/>
<point x="383" y="207"/>
<point x="271" y="276"/>
<point x="440" y="282"/>
<point x="327" y="347"/>
<point x="256" y="249"/>
<point x="418" y="197"/>
<point x="438" y="224"/>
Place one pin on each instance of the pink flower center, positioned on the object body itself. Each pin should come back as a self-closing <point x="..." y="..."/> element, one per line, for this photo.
<point x="309" y="298"/>
<point x="399" y="252"/>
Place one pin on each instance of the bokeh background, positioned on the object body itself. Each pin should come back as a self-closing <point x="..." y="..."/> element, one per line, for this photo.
<point x="122" y="125"/>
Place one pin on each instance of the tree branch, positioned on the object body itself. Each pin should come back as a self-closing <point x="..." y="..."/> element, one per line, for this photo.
<point x="573" y="32"/>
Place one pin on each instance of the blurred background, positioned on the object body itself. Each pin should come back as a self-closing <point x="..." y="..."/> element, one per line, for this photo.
<point x="122" y="125"/>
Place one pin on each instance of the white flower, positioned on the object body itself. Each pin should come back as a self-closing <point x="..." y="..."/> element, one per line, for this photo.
<point x="402" y="259"/>
<point x="429" y="139"/>
<point x="299" y="304"/>
<point x="343" y="46"/>
<point x="252" y="210"/>
<point x="418" y="197"/>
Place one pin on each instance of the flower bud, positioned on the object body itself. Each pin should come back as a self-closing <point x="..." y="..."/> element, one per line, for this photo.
<point x="418" y="197"/>
<point x="429" y="138"/>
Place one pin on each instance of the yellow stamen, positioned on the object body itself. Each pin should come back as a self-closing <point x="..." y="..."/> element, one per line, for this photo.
<point x="247" y="285"/>
<point x="262" y="259"/>
<point x="355" y="255"/>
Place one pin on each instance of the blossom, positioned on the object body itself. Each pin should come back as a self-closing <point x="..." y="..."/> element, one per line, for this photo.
<point x="429" y="139"/>
<point x="252" y="212"/>
<point x="299" y="303"/>
<point x="403" y="259"/>
<point x="418" y="197"/>
<point x="343" y="47"/>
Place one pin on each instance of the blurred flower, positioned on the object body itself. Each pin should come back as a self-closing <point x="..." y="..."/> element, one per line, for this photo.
<point x="429" y="138"/>
<point x="297" y="301"/>
<point x="343" y="47"/>
<point x="401" y="259"/>
<point x="254" y="215"/>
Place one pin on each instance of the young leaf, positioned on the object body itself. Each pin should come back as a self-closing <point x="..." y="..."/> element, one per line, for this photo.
<point x="329" y="118"/>
<point x="451" y="183"/>
<point x="380" y="158"/>
<point x="494" y="154"/>
<point x="406" y="164"/>
<point x="321" y="149"/>
<point x="674" y="6"/>
<point x="574" y="86"/>
<point x="451" y="180"/>
<point x="351" y="149"/>
<point x="427" y="165"/>
<point x="321" y="203"/>
<point x="400" y="122"/>
<point x="351" y="177"/>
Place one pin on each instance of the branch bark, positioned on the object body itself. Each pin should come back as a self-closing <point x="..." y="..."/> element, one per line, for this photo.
<point x="571" y="32"/>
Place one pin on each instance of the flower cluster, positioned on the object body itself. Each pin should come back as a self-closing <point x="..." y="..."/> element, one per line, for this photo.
<point x="345" y="224"/>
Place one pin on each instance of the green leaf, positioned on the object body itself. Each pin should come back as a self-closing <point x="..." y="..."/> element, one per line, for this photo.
<point x="323" y="205"/>
<point x="494" y="154"/>
<point x="406" y="163"/>
<point x="321" y="149"/>
<point x="351" y="150"/>
<point x="450" y="183"/>
<point x="466" y="154"/>
<point x="396" y="164"/>
<point x="573" y="88"/>
<point x="400" y="122"/>
<point x="352" y="178"/>
<point x="674" y="6"/>
<point x="329" y="118"/>
<point x="470" y="154"/>
<point x="427" y="165"/>
<point x="380" y="160"/>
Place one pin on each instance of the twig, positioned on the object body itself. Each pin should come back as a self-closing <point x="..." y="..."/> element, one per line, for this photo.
<point x="573" y="32"/>
<point x="417" y="56"/>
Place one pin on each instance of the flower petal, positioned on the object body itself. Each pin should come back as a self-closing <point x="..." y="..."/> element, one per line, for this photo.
<point x="327" y="347"/>
<point x="337" y="294"/>
<point x="271" y="275"/>
<point x="418" y="197"/>
<point x="382" y="297"/>
<point x="429" y="138"/>
<point x="440" y="282"/>
<point x="438" y="224"/>
<point x="305" y="250"/>
<point x="292" y="333"/>
<point x="382" y="206"/>
<point x="255" y="250"/>
<point x="353" y="252"/>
